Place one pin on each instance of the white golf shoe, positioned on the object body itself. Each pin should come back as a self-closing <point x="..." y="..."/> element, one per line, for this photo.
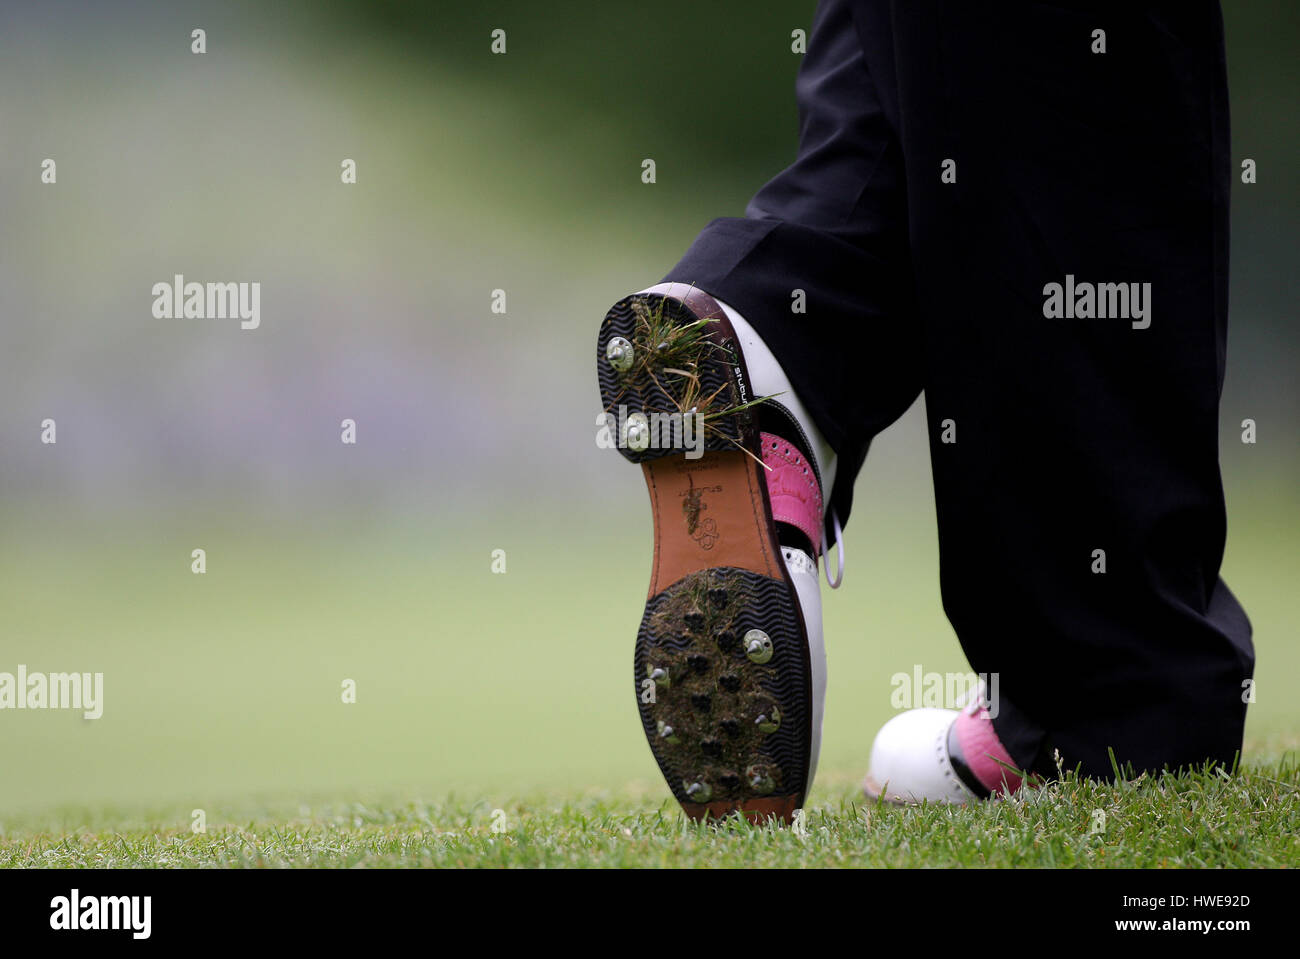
<point x="941" y="756"/>
<point x="730" y="667"/>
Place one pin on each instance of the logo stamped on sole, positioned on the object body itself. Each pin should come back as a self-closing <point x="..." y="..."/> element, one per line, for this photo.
<point x="703" y="532"/>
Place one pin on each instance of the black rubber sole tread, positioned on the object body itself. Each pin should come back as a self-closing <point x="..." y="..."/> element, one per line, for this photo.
<point x="714" y="695"/>
<point x="650" y="386"/>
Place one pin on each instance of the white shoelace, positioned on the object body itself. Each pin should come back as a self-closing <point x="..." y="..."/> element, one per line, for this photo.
<point x="839" y="552"/>
<point x="973" y="696"/>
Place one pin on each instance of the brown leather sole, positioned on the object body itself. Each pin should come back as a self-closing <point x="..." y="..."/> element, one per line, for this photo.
<point x="709" y="512"/>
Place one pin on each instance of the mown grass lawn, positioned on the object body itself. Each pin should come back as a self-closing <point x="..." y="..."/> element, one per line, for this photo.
<point x="1192" y="820"/>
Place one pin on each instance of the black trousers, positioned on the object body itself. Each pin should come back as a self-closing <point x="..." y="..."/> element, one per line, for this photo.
<point x="956" y="159"/>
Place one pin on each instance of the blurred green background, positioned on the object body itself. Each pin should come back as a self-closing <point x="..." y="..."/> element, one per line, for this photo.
<point x="475" y="430"/>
